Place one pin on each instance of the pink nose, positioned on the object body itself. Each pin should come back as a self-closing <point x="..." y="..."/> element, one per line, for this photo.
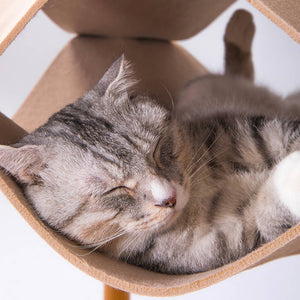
<point x="170" y="202"/>
<point x="163" y="193"/>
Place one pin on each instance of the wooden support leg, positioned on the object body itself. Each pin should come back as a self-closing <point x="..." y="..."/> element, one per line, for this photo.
<point x="111" y="293"/>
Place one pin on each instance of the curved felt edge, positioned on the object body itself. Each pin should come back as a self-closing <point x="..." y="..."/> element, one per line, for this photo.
<point x="284" y="14"/>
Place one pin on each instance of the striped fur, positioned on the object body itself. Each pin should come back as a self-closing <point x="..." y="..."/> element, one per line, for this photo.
<point x="179" y="192"/>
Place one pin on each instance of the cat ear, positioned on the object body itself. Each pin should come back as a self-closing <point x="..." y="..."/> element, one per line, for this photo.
<point x="24" y="163"/>
<point x="116" y="80"/>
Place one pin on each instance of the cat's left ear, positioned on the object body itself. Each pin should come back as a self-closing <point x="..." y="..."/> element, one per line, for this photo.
<point x="117" y="79"/>
<point x="24" y="163"/>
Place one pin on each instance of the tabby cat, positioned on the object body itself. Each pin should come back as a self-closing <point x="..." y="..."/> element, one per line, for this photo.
<point x="175" y="192"/>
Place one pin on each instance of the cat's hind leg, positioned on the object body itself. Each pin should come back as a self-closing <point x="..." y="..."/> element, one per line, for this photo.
<point x="238" y="41"/>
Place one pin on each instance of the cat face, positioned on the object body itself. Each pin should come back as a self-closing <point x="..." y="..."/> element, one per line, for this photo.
<point x="107" y="165"/>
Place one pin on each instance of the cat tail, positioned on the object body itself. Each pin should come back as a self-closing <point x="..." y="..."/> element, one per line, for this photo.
<point x="238" y="41"/>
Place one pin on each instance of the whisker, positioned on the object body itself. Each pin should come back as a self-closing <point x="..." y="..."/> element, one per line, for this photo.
<point x="191" y="164"/>
<point x="137" y="235"/>
<point x="207" y="162"/>
<point x="102" y="242"/>
<point x="202" y="178"/>
<point x="206" y="151"/>
<point x="170" y="96"/>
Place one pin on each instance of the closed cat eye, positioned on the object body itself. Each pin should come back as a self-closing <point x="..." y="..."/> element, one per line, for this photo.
<point x="115" y="189"/>
<point x="155" y="154"/>
<point x="163" y="153"/>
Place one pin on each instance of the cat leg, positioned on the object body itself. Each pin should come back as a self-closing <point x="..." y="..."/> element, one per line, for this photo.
<point x="238" y="41"/>
<point x="278" y="204"/>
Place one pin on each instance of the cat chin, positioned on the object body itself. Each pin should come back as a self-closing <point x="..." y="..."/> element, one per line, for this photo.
<point x="163" y="217"/>
<point x="169" y="220"/>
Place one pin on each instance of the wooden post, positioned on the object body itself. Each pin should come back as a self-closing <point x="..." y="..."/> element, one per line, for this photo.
<point x="111" y="293"/>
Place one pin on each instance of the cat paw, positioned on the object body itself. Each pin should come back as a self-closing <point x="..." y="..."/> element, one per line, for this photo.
<point x="287" y="182"/>
<point x="240" y="30"/>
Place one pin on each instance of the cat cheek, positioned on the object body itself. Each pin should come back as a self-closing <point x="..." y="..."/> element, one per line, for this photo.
<point x="96" y="185"/>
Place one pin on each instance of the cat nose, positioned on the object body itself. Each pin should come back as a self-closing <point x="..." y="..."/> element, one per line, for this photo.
<point x="170" y="202"/>
<point x="163" y="193"/>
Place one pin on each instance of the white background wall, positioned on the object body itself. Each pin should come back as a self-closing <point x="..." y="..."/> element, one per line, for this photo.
<point x="29" y="268"/>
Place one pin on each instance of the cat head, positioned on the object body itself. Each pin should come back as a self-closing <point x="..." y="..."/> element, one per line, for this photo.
<point x="107" y="165"/>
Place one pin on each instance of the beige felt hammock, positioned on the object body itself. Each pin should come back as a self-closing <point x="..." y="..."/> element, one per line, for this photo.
<point x="163" y="68"/>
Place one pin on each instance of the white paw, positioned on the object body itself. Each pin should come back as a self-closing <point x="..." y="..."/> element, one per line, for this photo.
<point x="287" y="182"/>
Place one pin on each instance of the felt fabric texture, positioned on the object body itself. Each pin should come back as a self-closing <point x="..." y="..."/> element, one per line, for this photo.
<point x="14" y="15"/>
<point x="284" y="13"/>
<point x="163" y="67"/>
<point x="167" y="19"/>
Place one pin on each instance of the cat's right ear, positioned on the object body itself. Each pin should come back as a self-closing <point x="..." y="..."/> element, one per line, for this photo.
<point x="24" y="163"/>
<point x="116" y="81"/>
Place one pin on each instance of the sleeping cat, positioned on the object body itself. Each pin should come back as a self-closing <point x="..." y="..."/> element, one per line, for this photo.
<point x="175" y="192"/>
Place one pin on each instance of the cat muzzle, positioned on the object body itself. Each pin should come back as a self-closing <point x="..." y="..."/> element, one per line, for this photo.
<point x="163" y="193"/>
<point x="170" y="202"/>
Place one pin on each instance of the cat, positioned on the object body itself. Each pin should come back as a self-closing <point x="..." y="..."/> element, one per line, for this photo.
<point x="177" y="192"/>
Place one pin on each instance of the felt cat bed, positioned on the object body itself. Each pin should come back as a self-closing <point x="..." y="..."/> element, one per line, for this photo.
<point x="162" y="66"/>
